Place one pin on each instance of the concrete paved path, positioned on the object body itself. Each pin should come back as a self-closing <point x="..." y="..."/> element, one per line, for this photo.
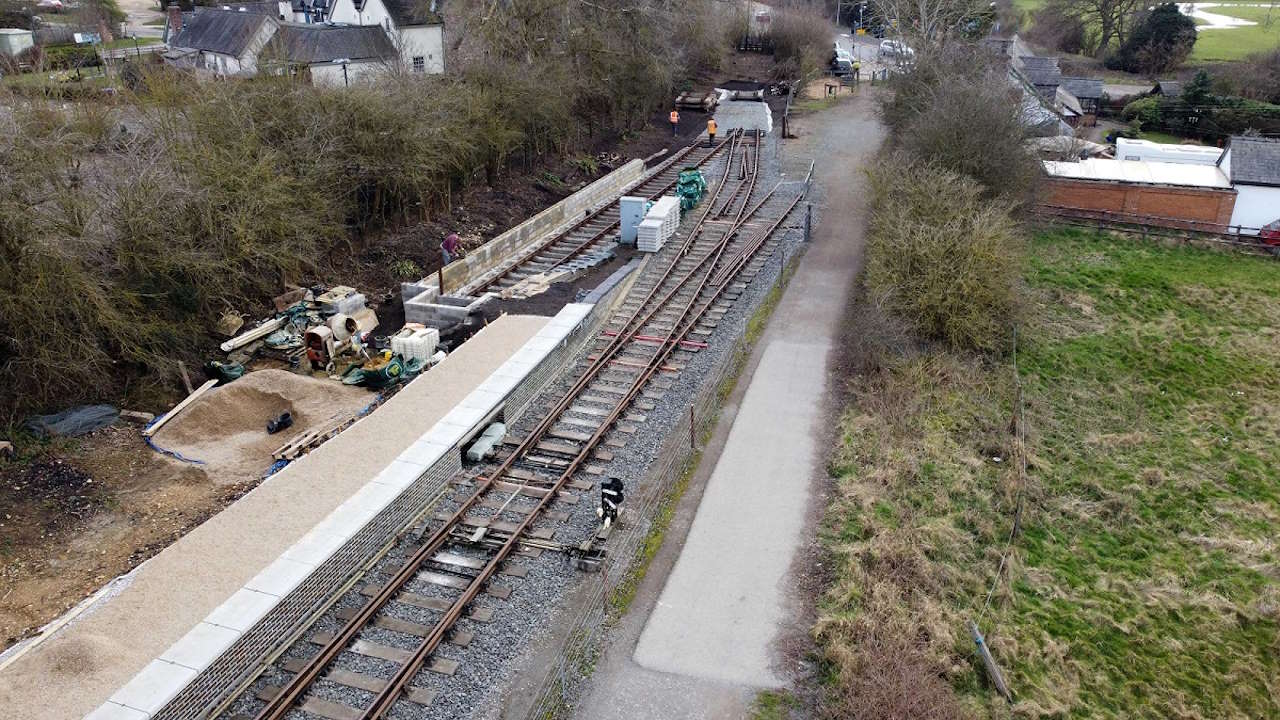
<point x="703" y="645"/>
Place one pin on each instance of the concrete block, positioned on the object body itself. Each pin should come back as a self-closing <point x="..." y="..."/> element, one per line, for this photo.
<point x="544" y="342"/>
<point x="242" y="610"/>
<point x="373" y="496"/>
<point x="201" y="646"/>
<point x="154" y="686"/>
<point x="516" y="368"/>
<point x="448" y="435"/>
<point x="464" y="417"/>
<point x="315" y="547"/>
<point x="531" y="356"/>
<point x="280" y="577"/>
<point x="400" y="474"/>
<point x="425" y="452"/>
<point x="424" y="289"/>
<point x="115" y="711"/>
<point x="482" y="398"/>
<point x="500" y="385"/>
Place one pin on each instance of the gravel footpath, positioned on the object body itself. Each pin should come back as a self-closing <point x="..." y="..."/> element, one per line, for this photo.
<point x="475" y="690"/>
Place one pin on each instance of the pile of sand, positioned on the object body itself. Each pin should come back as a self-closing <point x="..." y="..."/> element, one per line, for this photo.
<point x="226" y="428"/>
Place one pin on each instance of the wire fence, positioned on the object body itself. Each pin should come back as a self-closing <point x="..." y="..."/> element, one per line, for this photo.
<point x="1238" y="238"/>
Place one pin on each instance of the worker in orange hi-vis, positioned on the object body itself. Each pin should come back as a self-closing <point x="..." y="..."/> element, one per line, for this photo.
<point x="675" y="122"/>
<point x="711" y="131"/>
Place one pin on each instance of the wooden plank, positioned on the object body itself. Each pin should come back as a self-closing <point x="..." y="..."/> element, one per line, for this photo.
<point x="329" y="709"/>
<point x="443" y="580"/>
<point x="360" y="681"/>
<point x="514" y="570"/>
<point x="421" y="696"/>
<point x="179" y="407"/>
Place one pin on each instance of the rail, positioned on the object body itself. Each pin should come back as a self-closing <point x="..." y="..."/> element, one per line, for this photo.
<point x="694" y="281"/>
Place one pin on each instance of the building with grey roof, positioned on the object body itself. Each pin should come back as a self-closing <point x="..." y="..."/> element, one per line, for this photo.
<point x="331" y="42"/>
<point x="1253" y="165"/>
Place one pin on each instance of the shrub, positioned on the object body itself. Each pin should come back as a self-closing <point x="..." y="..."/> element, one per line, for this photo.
<point x="1161" y="40"/>
<point x="1055" y="26"/>
<point x="942" y="256"/>
<point x="957" y="108"/>
<point x="1145" y="110"/>
<point x="801" y="42"/>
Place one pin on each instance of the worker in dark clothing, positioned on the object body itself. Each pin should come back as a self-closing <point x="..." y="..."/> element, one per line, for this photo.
<point x="610" y="498"/>
<point x="451" y="248"/>
<point x="675" y="122"/>
<point x="711" y="131"/>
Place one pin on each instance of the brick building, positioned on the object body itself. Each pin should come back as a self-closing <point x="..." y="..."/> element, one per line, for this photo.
<point x="1198" y="197"/>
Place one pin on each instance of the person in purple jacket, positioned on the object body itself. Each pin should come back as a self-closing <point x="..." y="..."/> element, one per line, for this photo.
<point x="451" y="248"/>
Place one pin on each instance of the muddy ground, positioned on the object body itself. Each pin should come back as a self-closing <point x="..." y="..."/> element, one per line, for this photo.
<point x="76" y="513"/>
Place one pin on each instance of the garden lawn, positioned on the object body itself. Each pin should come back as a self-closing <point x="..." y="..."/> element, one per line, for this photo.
<point x="1145" y="582"/>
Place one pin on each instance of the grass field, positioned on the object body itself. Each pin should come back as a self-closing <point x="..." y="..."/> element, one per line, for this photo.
<point x="1238" y="43"/>
<point x="1146" y="580"/>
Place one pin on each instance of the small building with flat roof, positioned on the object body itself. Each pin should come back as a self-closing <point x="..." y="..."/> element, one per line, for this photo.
<point x="1170" y="194"/>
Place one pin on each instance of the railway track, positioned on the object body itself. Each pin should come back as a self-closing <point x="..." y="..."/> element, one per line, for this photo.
<point x="594" y="230"/>
<point x="506" y="507"/>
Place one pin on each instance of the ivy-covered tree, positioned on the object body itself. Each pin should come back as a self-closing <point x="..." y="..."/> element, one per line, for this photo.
<point x="1160" y="42"/>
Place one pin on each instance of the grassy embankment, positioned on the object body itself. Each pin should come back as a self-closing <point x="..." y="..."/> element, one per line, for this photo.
<point x="1146" y="579"/>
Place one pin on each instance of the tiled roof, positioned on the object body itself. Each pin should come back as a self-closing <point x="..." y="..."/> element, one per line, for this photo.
<point x="221" y="31"/>
<point x="1254" y="160"/>
<point x="1041" y="70"/>
<point x="1083" y="88"/>
<point x="411" y="12"/>
<point x="323" y="43"/>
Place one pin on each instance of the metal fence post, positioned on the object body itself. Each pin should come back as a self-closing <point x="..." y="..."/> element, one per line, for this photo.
<point x="808" y="220"/>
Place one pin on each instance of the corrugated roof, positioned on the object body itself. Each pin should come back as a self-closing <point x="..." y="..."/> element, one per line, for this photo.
<point x="323" y="43"/>
<point x="1141" y="171"/>
<point x="221" y="31"/>
<point x="1169" y="88"/>
<point x="1255" y="160"/>
<point x="1083" y="88"/>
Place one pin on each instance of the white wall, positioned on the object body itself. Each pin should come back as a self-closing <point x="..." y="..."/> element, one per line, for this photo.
<point x="425" y="41"/>
<point x="1256" y="205"/>
<point x="373" y="13"/>
<point x="330" y="75"/>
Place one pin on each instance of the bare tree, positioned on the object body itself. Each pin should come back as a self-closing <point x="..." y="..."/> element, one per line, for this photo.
<point x="1110" y="17"/>
<point x="933" y="22"/>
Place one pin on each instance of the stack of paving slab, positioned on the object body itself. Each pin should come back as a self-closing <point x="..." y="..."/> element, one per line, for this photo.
<point x="659" y="224"/>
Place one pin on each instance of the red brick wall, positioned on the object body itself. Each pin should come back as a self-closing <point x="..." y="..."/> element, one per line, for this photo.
<point x="1201" y="208"/>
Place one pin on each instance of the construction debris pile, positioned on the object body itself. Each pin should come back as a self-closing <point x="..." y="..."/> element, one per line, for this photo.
<point x="330" y="331"/>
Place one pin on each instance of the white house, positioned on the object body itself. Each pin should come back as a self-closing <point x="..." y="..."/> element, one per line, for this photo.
<point x="1253" y="165"/>
<point x="333" y="40"/>
<point x="223" y="43"/>
<point x="413" y="26"/>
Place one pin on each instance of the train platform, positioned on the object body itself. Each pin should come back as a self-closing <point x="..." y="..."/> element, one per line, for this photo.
<point x="127" y="641"/>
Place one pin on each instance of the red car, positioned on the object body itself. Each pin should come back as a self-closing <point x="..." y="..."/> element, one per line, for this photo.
<point x="1270" y="234"/>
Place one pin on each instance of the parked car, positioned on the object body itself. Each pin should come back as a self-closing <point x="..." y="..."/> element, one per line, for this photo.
<point x="896" y="50"/>
<point x="50" y="5"/>
<point x="842" y="63"/>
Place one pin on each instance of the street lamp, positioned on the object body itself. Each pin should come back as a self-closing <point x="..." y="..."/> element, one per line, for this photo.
<point x="343" y="62"/>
